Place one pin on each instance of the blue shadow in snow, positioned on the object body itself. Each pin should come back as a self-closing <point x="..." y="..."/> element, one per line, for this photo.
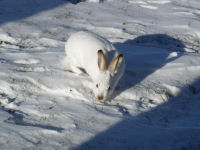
<point x="12" y="10"/>
<point x="144" y="55"/>
<point x="173" y="125"/>
<point x="17" y="117"/>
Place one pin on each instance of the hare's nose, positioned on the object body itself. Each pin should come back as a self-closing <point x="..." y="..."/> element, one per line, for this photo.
<point x="100" y="97"/>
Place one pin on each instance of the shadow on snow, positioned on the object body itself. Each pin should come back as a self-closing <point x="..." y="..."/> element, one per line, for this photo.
<point x="13" y="10"/>
<point x="18" y="117"/>
<point x="146" y="54"/>
<point x="173" y="125"/>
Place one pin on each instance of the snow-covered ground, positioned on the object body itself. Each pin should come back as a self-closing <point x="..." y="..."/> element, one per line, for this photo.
<point x="156" y="104"/>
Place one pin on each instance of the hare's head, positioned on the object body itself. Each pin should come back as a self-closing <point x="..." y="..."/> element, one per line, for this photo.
<point x="106" y="82"/>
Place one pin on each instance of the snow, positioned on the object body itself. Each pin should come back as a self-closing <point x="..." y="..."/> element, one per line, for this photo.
<point x="156" y="104"/>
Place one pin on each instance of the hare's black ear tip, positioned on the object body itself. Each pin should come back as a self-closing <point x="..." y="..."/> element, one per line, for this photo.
<point x="100" y="51"/>
<point x="120" y="55"/>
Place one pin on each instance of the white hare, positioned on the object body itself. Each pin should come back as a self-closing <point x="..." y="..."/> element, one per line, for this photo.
<point x="98" y="58"/>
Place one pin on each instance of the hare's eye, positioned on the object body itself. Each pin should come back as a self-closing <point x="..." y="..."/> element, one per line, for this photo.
<point x="97" y="85"/>
<point x="108" y="88"/>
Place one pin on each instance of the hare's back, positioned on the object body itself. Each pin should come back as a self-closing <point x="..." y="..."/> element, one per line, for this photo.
<point x="87" y="43"/>
<point x="82" y="47"/>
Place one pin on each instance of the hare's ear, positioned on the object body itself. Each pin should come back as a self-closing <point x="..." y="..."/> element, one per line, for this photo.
<point x="102" y="63"/>
<point x="115" y="64"/>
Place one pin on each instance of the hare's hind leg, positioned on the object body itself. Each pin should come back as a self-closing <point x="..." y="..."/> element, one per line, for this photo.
<point x="72" y="68"/>
<point x="75" y="69"/>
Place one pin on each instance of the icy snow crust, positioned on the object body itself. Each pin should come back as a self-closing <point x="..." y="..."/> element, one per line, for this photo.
<point x="155" y="106"/>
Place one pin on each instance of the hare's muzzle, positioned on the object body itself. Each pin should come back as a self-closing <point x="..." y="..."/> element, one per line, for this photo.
<point x="100" y="97"/>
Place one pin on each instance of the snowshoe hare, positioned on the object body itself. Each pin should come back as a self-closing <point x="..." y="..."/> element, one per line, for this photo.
<point x="98" y="58"/>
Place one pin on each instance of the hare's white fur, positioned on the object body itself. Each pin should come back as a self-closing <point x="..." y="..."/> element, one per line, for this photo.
<point x="88" y="51"/>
